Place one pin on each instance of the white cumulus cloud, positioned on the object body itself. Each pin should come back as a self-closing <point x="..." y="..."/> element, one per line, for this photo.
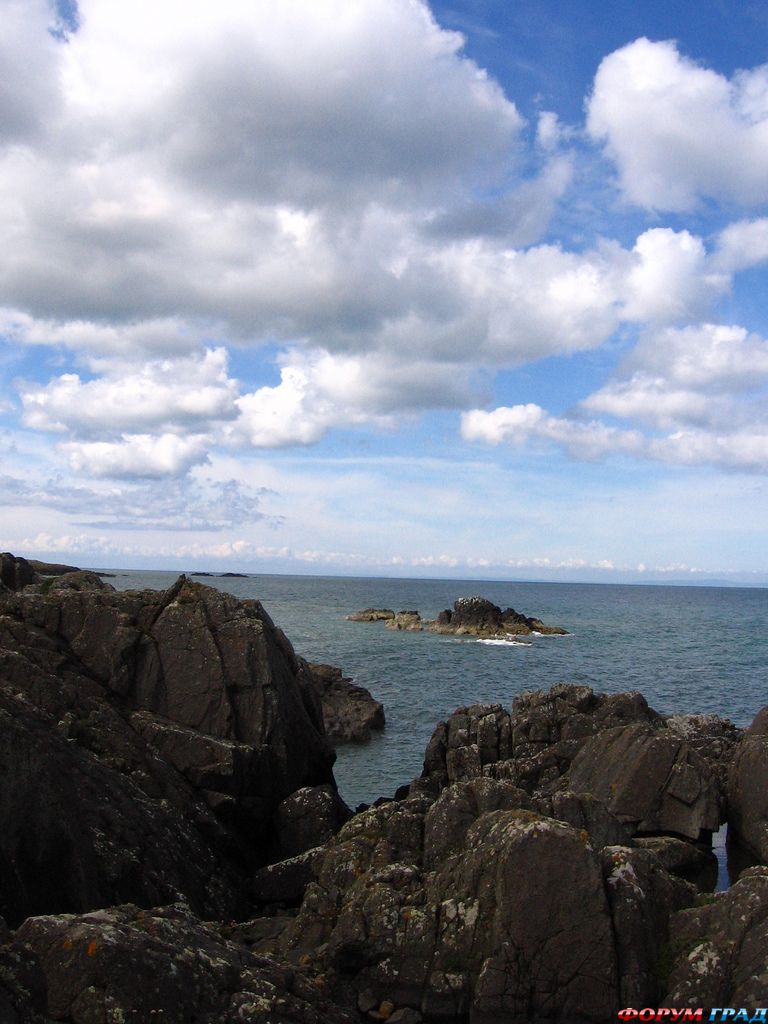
<point x="184" y="393"/>
<point x="137" y="455"/>
<point x="678" y="131"/>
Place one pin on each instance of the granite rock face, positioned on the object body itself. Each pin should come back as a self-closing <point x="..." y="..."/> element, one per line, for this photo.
<point x="147" y="740"/>
<point x="650" y="778"/>
<point x="126" y="964"/>
<point x="472" y="906"/>
<point x="718" y="951"/>
<point x="748" y="788"/>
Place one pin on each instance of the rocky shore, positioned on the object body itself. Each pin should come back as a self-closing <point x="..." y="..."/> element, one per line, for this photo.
<point x="470" y="617"/>
<point x="173" y="847"/>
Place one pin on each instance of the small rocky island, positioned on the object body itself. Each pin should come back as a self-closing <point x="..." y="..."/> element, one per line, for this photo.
<point x="173" y="846"/>
<point x="470" y="616"/>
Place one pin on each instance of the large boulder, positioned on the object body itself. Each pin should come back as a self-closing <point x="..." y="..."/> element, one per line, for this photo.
<point x="642" y="896"/>
<point x="77" y="579"/>
<point x="148" y="740"/>
<point x="307" y="819"/>
<point x="651" y="778"/>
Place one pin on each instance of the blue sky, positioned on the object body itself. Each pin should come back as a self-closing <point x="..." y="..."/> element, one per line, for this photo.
<point x="380" y="287"/>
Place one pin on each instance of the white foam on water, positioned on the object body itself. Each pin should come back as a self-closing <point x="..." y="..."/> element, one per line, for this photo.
<point x="505" y="643"/>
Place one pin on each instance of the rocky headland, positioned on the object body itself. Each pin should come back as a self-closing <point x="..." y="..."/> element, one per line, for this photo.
<point x="470" y="616"/>
<point x="173" y="847"/>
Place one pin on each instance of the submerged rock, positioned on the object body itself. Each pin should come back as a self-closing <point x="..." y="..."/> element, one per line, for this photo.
<point x="406" y="621"/>
<point x="372" y="615"/>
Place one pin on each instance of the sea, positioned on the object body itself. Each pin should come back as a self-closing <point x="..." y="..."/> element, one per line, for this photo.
<point x="687" y="649"/>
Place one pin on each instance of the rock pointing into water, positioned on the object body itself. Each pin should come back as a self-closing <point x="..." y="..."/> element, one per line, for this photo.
<point x="476" y="616"/>
<point x="350" y="713"/>
<point x="470" y="616"/>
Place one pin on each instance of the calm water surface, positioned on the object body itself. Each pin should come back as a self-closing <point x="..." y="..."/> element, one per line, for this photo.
<point x="688" y="649"/>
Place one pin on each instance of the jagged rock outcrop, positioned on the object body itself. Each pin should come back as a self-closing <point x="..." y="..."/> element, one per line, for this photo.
<point x="126" y="964"/>
<point x="470" y="616"/>
<point x="147" y="740"/>
<point x="350" y="712"/>
<point x="614" y="748"/>
<point x="535" y="743"/>
<point x="76" y="579"/>
<point x="476" y="616"/>
<point x="474" y="906"/>
<point x="159" y="750"/>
